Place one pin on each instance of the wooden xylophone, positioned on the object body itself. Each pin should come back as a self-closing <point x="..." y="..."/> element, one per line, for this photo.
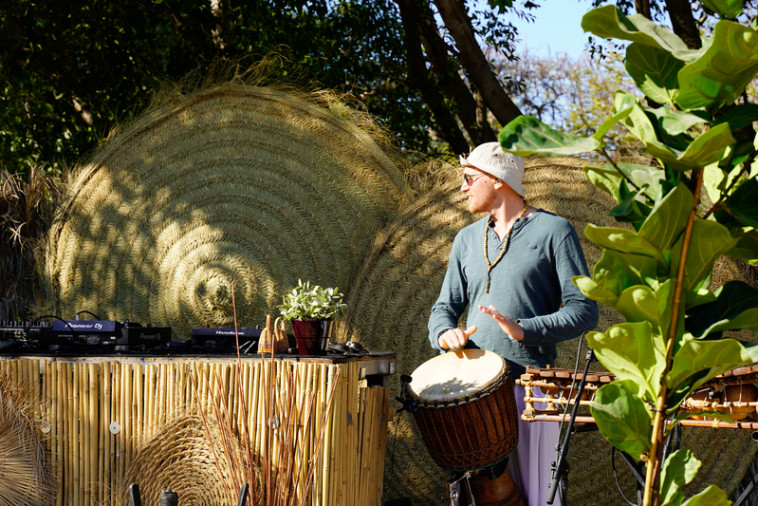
<point x="549" y="391"/>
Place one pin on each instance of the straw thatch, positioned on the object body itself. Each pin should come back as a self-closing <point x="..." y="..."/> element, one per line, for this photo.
<point x="246" y="186"/>
<point x="27" y="477"/>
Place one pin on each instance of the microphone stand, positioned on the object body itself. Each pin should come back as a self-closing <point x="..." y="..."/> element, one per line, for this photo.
<point x="560" y="467"/>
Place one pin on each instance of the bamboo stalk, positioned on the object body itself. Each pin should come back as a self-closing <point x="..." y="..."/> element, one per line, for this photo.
<point x="105" y="405"/>
<point x="60" y="394"/>
<point x="76" y="453"/>
<point x="92" y="427"/>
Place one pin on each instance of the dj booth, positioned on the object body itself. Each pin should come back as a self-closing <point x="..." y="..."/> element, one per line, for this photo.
<point x="314" y="426"/>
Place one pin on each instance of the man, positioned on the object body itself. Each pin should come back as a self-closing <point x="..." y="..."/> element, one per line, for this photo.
<point x="513" y="271"/>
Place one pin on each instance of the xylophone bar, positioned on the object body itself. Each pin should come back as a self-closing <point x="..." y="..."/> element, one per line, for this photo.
<point x="548" y="392"/>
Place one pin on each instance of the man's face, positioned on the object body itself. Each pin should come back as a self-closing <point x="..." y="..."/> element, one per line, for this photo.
<point x="477" y="186"/>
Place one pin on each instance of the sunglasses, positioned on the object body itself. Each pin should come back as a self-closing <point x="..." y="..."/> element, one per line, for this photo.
<point x="470" y="179"/>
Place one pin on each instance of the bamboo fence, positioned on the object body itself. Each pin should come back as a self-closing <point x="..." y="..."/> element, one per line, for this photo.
<point x="321" y="429"/>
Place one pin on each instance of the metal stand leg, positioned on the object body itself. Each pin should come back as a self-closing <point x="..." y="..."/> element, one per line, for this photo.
<point x="560" y="467"/>
<point x="453" y="491"/>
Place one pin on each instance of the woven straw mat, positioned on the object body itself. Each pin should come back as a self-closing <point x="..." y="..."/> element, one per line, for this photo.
<point x="389" y="305"/>
<point x="180" y="457"/>
<point x="244" y="187"/>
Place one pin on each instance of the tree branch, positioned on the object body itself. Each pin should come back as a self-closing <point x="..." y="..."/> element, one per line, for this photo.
<point x="456" y="19"/>
<point x="417" y="77"/>
<point x="683" y="23"/>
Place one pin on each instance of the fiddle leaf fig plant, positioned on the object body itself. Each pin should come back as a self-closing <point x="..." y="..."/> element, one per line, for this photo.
<point x="312" y="302"/>
<point x="697" y="202"/>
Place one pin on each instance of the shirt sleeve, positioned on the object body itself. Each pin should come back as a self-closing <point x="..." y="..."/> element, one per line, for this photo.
<point x="577" y="313"/>
<point x="452" y="300"/>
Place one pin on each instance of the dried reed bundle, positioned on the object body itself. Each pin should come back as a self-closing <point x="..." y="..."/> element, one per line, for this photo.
<point x="26" y="211"/>
<point x="25" y="468"/>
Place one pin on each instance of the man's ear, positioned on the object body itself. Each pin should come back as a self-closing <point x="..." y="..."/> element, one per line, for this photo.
<point x="498" y="183"/>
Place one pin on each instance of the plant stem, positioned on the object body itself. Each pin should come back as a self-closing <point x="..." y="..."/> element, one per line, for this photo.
<point x="616" y="167"/>
<point x="652" y="477"/>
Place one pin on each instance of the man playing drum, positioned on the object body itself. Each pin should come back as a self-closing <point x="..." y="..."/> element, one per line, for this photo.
<point x="513" y="271"/>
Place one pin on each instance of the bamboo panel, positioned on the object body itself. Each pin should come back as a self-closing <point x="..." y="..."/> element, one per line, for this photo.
<point x="322" y="431"/>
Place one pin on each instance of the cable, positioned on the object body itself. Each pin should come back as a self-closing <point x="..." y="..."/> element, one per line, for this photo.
<point x="616" y="478"/>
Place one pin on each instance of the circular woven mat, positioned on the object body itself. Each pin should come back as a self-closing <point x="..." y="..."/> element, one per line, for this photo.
<point x="179" y="456"/>
<point x="389" y="305"/>
<point x="243" y="187"/>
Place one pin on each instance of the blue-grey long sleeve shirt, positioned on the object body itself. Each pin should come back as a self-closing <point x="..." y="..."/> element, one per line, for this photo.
<point x="531" y="284"/>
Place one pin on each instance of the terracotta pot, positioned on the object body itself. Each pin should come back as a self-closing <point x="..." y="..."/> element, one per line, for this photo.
<point x="312" y="336"/>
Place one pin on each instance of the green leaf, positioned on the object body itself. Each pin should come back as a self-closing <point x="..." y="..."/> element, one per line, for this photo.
<point x="606" y="178"/>
<point x="639" y="303"/>
<point x="711" y="496"/>
<point x="637" y="120"/>
<point x="725" y="8"/>
<point x="608" y="22"/>
<point x="723" y="71"/>
<point x="526" y="135"/>
<point x="713" y="181"/>
<point x="632" y="209"/>
<point x="623" y="240"/>
<point x="698" y="361"/>
<point x="739" y="116"/>
<point x="610" y="122"/>
<point x="679" y="469"/>
<point x="743" y="203"/>
<point x="632" y="352"/>
<point x="708" y="242"/>
<point x="595" y="291"/>
<point x="736" y="307"/>
<point x="668" y="218"/>
<point x="616" y="271"/>
<point x="746" y="248"/>
<point x="708" y="147"/>
<point x="622" y="418"/>
<point x="675" y="122"/>
<point x="643" y="176"/>
<point x="654" y="71"/>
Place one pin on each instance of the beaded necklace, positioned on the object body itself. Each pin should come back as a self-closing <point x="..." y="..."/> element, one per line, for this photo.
<point x="491" y="266"/>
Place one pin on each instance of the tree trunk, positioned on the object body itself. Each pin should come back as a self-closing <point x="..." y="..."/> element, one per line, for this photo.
<point x="446" y="123"/>
<point x="680" y="13"/>
<point x="455" y="17"/>
<point x="450" y="80"/>
<point x="643" y="7"/>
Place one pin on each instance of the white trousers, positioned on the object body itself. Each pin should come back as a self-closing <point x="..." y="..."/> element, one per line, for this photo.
<point x="530" y="464"/>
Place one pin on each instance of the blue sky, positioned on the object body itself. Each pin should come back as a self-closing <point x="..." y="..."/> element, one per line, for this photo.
<point x="556" y="30"/>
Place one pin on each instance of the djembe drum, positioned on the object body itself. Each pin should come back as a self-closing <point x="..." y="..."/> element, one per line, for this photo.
<point x="466" y="413"/>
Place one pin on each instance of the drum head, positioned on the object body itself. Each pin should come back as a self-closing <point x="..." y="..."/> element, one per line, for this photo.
<point x="456" y="375"/>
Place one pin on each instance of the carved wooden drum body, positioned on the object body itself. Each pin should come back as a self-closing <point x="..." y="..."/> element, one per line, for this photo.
<point x="465" y="409"/>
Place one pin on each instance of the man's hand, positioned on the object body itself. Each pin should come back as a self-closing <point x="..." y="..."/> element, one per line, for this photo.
<point x="455" y="339"/>
<point x="510" y="327"/>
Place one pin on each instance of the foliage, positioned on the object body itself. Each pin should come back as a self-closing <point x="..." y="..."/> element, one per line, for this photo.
<point x="570" y="94"/>
<point x="698" y="127"/>
<point x="70" y="72"/>
<point x="306" y="302"/>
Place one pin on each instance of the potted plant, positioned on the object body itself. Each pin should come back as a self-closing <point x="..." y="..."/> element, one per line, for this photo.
<point x="312" y="310"/>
